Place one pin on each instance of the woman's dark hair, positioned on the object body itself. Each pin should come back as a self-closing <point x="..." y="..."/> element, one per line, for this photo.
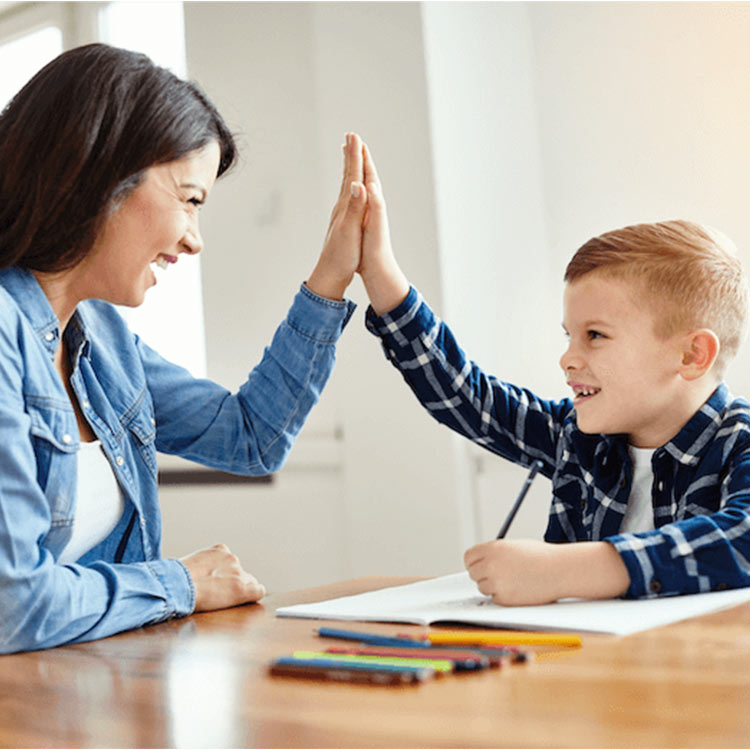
<point x="77" y="139"/>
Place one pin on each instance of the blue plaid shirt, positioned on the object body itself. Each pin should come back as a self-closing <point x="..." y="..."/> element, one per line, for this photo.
<point x="701" y="487"/>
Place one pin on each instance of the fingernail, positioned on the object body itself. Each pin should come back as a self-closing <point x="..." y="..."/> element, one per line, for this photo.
<point x="355" y="189"/>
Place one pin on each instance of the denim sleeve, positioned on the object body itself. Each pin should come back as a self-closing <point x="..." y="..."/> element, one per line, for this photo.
<point x="698" y="554"/>
<point x="43" y="604"/>
<point x="252" y="430"/>
<point x="500" y="417"/>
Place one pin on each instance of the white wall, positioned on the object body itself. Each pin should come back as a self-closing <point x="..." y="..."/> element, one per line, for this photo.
<point x="644" y="115"/>
<point x="500" y="297"/>
<point x="293" y="78"/>
<point x="506" y="134"/>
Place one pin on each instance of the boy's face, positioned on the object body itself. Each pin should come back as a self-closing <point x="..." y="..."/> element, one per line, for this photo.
<point x="624" y="378"/>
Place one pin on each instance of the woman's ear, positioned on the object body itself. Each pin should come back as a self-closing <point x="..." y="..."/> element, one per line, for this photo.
<point x="699" y="352"/>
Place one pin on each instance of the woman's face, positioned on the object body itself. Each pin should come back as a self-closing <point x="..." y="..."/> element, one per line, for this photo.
<point x="155" y="223"/>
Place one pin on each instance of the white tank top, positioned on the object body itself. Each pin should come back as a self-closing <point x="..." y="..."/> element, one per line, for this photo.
<point x="639" y="515"/>
<point x="99" y="504"/>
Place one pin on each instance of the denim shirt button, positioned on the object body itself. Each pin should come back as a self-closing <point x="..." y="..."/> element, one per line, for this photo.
<point x="119" y="460"/>
<point x="85" y="404"/>
<point x="67" y="439"/>
<point x="49" y="336"/>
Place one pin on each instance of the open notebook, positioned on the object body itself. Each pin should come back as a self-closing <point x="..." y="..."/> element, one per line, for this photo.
<point x="455" y="599"/>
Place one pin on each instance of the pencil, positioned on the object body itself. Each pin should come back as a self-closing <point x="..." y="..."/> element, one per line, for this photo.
<point x="535" y="467"/>
<point x="499" y="637"/>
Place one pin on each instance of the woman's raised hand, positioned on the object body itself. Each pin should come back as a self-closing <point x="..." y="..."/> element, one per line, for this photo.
<point x="386" y="284"/>
<point x="341" y="254"/>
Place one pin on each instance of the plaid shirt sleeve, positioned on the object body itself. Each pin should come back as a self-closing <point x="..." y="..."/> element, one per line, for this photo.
<point x="506" y="420"/>
<point x="708" y="551"/>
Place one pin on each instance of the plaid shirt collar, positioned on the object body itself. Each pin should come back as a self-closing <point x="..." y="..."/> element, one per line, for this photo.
<point x="694" y="439"/>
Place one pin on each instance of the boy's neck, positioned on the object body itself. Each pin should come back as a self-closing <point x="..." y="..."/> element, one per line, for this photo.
<point x="695" y="394"/>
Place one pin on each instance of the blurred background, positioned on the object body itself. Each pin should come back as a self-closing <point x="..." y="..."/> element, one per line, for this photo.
<point x="506" y="135"/>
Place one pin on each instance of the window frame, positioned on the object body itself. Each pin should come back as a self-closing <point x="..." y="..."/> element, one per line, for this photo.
<point x="78" y="22"/>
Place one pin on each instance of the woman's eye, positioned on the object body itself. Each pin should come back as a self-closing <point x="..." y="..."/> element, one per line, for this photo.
<point x="594" y="335"/>
<point x="196" y="202"/>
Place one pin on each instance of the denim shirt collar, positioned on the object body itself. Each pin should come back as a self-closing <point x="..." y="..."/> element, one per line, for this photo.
<point x="23" y="287"/>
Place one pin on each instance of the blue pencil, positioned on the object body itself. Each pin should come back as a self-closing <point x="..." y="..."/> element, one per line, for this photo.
<point x="374" y="639"/>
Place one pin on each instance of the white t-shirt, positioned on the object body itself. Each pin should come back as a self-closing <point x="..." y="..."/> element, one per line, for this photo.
<point x="639" y="515"/>
<point x="99" y="504"/>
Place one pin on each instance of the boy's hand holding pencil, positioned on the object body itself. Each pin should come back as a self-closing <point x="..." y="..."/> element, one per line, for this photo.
<point x="526" y="571"/>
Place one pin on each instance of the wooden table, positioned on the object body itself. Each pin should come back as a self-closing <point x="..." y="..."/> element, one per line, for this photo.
<point x="202" y="682"/>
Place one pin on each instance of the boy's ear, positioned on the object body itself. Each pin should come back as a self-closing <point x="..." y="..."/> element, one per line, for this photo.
<point x="699" y="352"/>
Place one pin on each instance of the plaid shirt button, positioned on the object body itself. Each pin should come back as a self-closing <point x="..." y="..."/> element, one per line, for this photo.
<point x="654" y="586"/>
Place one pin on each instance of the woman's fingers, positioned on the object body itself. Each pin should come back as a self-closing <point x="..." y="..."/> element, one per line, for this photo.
<point x="219" y="579"/>
<point x="353" y="165"/>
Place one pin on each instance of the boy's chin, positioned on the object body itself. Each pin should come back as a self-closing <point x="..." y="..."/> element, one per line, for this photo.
<point x="591" y="427"/>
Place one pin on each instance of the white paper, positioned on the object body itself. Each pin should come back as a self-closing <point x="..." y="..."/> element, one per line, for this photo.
<point x="455" y="598"/>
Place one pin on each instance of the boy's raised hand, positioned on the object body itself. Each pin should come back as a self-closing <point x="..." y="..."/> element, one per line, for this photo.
<point x="386" y="284"/>
<point x="341" y="254"/>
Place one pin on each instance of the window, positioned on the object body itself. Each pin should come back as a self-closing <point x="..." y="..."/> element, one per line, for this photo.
<point x="23" y="56"/>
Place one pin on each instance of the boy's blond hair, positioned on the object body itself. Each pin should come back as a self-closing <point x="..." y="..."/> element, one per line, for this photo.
<point x="689" y="275"/>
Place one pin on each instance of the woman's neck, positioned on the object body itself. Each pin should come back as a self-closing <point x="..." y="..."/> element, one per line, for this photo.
<point x="60" y="289"/>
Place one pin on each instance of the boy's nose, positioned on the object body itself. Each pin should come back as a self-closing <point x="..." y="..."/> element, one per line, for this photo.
<point x="570" y="360"/>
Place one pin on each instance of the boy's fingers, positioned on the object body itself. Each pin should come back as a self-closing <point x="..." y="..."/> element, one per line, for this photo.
<point x="355" y="163"/>
<point x="371" y="173"/>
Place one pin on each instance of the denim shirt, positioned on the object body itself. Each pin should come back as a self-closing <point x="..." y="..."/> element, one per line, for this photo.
<point x="701" y="488"/>
<point x="137" y="403"/>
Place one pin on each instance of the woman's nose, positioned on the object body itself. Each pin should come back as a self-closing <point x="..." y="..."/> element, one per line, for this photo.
<point x="192" y="241"/>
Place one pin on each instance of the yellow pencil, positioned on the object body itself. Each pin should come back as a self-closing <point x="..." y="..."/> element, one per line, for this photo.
<point x="501" y="638"/>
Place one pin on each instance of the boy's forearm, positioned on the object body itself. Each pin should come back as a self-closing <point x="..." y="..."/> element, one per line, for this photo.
<point x="517" y="572"/>
<point x="591" y="570"/>
<point x="386" y="285"/>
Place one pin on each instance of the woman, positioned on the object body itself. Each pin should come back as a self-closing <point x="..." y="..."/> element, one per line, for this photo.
<point x="105" y="160"/>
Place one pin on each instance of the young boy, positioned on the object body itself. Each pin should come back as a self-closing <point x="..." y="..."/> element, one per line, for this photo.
<point x="649" y="460"/>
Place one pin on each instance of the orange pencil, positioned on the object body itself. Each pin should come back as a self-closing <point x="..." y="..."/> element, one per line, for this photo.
<point x="499" y="638"/>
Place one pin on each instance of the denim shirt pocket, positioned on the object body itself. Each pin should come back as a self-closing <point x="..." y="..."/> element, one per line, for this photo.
<point x="141" y="428"/>
<point x="55" y="435"/>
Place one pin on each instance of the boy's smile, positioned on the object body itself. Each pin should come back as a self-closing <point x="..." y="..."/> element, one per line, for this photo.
<point x="624" y="378"/>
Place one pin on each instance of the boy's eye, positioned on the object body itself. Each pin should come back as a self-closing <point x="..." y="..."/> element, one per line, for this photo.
<point x="196" y="202"/>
